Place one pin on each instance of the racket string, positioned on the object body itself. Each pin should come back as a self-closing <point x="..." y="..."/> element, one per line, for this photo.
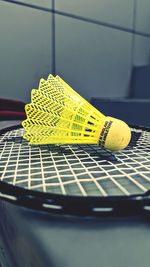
<point x="89" y="174"/>
<point x="71" y="169"/>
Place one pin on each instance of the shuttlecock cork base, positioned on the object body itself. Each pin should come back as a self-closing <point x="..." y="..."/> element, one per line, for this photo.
<point x="59" y="115"/>
<point x="115" y="134"/>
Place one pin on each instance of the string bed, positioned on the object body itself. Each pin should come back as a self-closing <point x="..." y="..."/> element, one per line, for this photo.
<point x="82" y="170"/>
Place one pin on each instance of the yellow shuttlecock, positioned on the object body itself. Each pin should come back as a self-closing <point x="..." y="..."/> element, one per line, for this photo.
<point x="59" y="115"/>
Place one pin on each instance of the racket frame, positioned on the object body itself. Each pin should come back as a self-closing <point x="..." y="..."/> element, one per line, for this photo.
<point x="137" y="204"/>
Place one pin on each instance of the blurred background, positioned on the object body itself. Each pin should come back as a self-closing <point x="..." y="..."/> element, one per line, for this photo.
<point x="100" y="47"/>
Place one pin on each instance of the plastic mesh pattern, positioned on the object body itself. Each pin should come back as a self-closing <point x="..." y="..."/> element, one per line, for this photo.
<point x="59" y="115"/>
<point x="84" y="170"/>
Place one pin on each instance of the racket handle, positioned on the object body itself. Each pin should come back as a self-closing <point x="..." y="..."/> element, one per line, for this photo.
<point x="9" y="104"/>
<point x="11" y="115"/>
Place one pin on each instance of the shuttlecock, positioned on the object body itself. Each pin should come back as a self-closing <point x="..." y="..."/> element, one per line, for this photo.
<point x="59" y="115"/>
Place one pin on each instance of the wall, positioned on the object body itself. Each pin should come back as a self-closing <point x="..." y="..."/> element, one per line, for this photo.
<point x="91" y="44"/>
<point x="25" y="49"/>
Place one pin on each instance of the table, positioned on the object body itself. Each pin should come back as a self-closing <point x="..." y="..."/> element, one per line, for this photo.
<point x="37" y="239"/>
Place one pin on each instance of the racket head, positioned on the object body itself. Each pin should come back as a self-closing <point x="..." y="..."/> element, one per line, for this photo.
<point x="95" y="191"/>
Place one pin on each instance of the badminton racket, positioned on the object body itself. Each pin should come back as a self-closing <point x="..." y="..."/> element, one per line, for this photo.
<point x="76" y="179"/>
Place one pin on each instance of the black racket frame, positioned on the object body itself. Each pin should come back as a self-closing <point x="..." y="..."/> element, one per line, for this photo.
<point x="75" y="205"/>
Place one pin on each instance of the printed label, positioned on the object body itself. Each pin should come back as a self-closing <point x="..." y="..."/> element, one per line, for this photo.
<point x="104" y="133"/>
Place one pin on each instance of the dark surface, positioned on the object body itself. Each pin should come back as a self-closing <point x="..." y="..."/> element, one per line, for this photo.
<point x="140" y="82"/>
<point x="133" y="111"/>
<point x="33" y="239"/>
